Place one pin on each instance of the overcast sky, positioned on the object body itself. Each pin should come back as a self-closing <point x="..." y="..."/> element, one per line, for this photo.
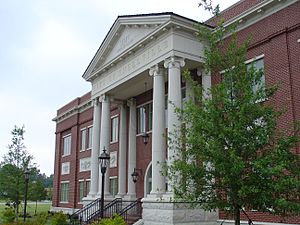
<point x="45" y="46"/>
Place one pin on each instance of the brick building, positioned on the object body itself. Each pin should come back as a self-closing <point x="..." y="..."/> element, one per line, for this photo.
<point x="125" y="103"/>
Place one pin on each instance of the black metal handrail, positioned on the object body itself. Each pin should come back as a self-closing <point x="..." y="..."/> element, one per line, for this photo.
<point x="110" y="209"/>
<point x="86" y="213"/>
<point x="134" y="209"/>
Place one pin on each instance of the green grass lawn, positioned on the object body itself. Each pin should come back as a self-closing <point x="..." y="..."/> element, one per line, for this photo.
<point x="41" y="207"/>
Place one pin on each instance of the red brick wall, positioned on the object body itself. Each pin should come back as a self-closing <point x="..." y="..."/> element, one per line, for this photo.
<point x="276" y="37"/>
<point x="71" y="125"/>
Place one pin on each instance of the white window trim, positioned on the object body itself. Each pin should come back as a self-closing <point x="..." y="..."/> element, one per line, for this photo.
<point x="142" y="105"/>
<point x="81" y="180"/>
<point x="247" y="61"/>
<point x="111" y="118"/>
<point x="63" y="137"/>
<point x="64" y="182"/>
<point x="82" y="150"/>
<point x="90" y="148"/>
<point x="254" y="59"/>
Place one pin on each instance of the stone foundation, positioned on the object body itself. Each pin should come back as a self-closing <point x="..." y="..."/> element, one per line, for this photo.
<point x="160" y="212"/>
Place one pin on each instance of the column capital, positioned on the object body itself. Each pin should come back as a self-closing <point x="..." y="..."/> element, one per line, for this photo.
<point x="104" y="98"/>
<point x="95" y="101"/>
<point x="156" y="70"/>
<point x="131" y="102"/>
<point x="122" y="104"/>
<point x="174" y="62"/>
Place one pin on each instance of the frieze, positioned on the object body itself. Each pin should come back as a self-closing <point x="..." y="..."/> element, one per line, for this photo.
<point x="132" y="65"/>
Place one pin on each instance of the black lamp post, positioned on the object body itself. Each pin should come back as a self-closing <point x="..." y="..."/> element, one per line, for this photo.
<point x="104" y="163"/>
<point x="26" y="174"/>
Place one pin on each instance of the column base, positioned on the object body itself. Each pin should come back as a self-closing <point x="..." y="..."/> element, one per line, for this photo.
<point x="120" y="195"/>
<point x="106" y="196"/>
<point x="89" y="198"/>
<point x="130" y="197"/>
<point x="163" y="212"/>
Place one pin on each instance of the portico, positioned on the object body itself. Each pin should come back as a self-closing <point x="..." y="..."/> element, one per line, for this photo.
<point x="151" y="49"/>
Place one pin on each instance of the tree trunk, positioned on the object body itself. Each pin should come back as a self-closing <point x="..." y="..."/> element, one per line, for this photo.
<point x="17" y="206"/>
<point x="35" y="207"/>
<point x="237" y="216"/>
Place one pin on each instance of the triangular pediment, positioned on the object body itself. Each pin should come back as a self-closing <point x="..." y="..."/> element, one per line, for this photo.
<point x="130" y="35"/>
<point x="126" y="32"/>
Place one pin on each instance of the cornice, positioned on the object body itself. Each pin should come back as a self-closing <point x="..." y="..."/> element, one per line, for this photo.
<point x="73" y="111"/>
<point x="258" y="12"/>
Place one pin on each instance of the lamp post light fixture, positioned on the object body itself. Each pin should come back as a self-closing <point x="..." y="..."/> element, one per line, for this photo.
<point x="135" y="174"/>
<point x="145" y="137"/>
<point x="104" y="159"/>
<point x="26" y="174"/>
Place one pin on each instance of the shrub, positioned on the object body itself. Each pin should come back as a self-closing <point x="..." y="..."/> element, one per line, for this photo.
<point x="40" y="219"/>
<point x="8" y="215"/>
<point x="117" y="220"/>
<point x="59" y="219"/>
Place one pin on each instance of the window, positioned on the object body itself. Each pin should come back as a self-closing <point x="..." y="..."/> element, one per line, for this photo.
<point x="141" y="117"/>
<point x="67" y="145"/>
<point x="81" y="190"/>
<point x="258" y="65"/>
<point x="144" y="118"/>
<point x="83" y="137"/>
<point x="113" y="186"/>
<point x="90" y="137"/>
<point x="87" y="186"/>
<point x="64" y="195"/>
<point x="114" y="129"/>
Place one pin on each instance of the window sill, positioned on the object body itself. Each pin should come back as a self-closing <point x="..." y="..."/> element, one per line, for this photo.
<point x="64" y="202"/>
<point x="113" y="142"/>
<point x="66" y="155"/>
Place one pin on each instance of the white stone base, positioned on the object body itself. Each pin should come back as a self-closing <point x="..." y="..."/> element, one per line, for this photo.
<point x="69" y="211"/>
<point x="161" y="212"/>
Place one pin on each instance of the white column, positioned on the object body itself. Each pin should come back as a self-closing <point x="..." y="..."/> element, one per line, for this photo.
<point x="131" y="194"/>
<point x="174" y="101"/>
<point x="158" y="131"/>
<point x="206" y="82"/>
<point x="105" y="138"/>
<point x="122" y="152"/>
<point x="95" y="149"/>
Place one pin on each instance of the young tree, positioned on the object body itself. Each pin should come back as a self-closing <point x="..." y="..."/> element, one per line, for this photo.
<point x="37" y="192"/>
<point x="13" y="166"/>
<point x="232" y="154"/>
